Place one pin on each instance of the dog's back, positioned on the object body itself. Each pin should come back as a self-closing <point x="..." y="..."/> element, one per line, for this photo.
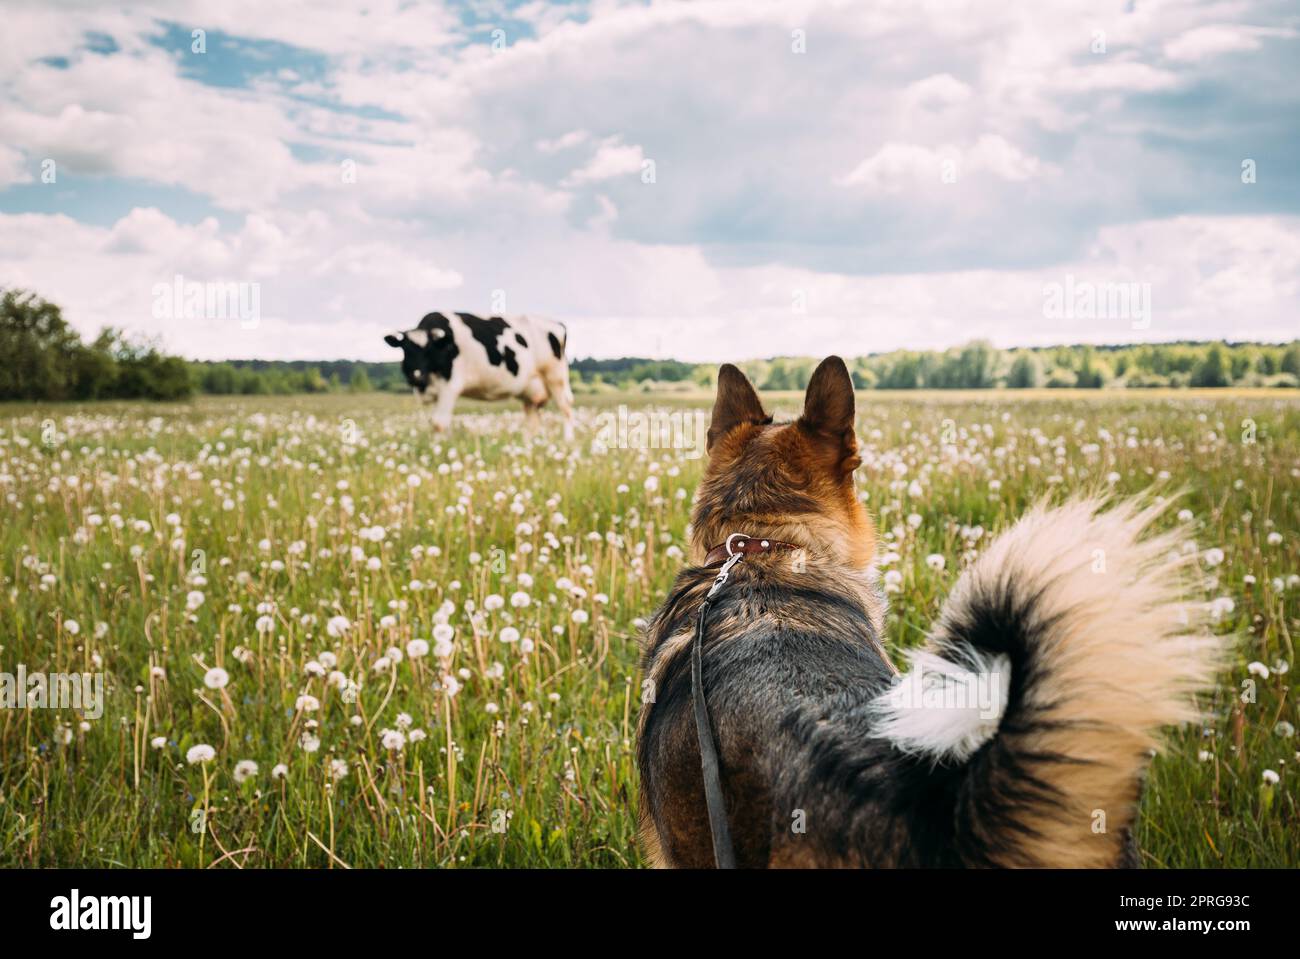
<point x="1018" y="737"/>
<point x="784" y="657"/>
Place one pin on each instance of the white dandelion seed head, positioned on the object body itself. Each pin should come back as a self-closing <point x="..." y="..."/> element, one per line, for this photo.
<point x="202" y="753"/>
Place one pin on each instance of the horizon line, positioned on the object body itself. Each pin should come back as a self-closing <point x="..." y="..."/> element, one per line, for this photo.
<point x="800" y="356"/>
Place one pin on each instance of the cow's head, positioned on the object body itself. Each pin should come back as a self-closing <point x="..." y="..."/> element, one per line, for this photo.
<point x="427" y="351"/>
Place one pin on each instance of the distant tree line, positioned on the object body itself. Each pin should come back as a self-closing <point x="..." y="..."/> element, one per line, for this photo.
<point x="980" y="365"/>
<point x="43" y="358"/>
<point x="262" y="377"/>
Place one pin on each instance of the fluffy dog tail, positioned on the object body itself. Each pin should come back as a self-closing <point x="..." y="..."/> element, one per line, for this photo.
<point x="1058" y="658"/>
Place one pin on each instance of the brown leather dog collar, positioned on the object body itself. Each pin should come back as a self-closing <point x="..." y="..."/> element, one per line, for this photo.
<point x="745" y="545"/>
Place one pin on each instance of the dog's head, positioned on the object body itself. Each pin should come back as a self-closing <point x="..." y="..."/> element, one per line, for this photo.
<point x="789" y="481"/>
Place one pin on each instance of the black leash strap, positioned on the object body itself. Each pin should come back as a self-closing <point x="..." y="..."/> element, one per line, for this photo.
<point x="724" y="854"/>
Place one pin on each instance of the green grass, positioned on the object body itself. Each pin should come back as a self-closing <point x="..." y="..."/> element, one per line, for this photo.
<point x="542" y="744"/>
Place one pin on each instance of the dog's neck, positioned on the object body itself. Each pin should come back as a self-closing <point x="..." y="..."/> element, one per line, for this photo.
<point x="741" y="544"/>
<point x="818" y="547"/>
<point x="827" y="544"/>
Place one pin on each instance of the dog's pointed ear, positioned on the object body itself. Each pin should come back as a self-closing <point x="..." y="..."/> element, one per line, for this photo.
<point x="393" y="339"/>
<point x="737" y="403"/>
<point x="829" y="412"/>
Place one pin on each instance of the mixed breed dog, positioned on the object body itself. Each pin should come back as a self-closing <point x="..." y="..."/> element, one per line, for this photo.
<point x="1019" y="735"/>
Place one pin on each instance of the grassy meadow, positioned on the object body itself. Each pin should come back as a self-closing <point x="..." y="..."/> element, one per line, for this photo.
<point x="331" y="639"/>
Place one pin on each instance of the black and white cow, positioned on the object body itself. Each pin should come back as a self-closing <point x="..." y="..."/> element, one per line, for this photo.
<point x="449" y="355"/>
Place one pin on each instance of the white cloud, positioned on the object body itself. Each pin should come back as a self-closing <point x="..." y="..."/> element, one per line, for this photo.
<point x="994" y="154"/>
<point x="571" y="139"/>
<point x="899" y="166"/>
<point x="133" y="117"/>
<point x="1210" y="41"/>
<point x="1117" y="76"/>
<point x="612" y="158"/>
<point x="342" y="27"/>
<point x="896" y="165"/>
<point x="381" y="263"/>
<point x="323" y="296"/>
<point x="13" y="167"/>
<point x="937" y="92"/>
<point x="323" y="291"/>
<point x="516" y="170"/>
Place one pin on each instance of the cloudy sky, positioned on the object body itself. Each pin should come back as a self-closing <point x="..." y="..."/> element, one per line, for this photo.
<point x="717" y="179"/>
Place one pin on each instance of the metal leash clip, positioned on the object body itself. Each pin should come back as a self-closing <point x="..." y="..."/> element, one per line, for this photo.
<point x="725" y="573"/>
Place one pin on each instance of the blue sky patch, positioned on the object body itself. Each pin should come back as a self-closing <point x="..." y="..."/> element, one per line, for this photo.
<point x="235" y="62"/>
<point x="101" y="43"/>
<point x="102" y="201"/>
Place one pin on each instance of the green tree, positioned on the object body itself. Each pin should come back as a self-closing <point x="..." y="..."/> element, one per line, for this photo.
<point x="95" y="369"/>
<point x="251" y="384"/>
<point x="1212" y="370"/>
<point x="1291" y="360"/>
<point x="1088" y="377"/>
<point x="218" y="379"/>
<point x="313" y="382"/>
<point x="903" y="374"/>
<point x="144" y="371"/>
<point x="1240" y="363"/>
<point x="1024" y="372"/>
<point x="977" y="365"/>
<point x="37" y="349"/>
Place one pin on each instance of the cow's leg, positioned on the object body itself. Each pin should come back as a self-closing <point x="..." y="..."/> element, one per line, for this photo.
<point x="535" y="392"/>
<point x="532" y="418"/>
<point x="443" y="404"/>
<point x="534" y="397"/>
<point x="557" y="384"/>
